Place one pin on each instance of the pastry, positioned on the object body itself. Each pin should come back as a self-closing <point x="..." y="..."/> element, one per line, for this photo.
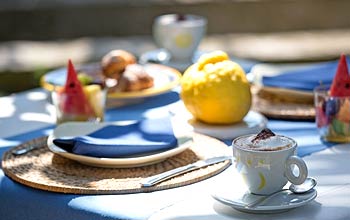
<point x="134" y="78"/>
<point x="114" y="63"/>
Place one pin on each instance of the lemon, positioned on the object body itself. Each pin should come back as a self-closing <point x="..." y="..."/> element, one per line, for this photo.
<point x="215" y="90"/>
<point x="95" y="97"/>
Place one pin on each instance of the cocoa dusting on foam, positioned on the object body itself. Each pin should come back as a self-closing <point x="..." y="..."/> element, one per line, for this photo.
<point x="263" y="135"/>
<point x="265" y="140"/>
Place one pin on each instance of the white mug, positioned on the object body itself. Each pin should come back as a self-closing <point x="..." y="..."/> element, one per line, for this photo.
<point x="266" y="172"/>
<point x="180" y="35"/>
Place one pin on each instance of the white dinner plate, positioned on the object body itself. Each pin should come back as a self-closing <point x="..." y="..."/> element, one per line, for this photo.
<point x="252" y="123"/>
<point x="165" y="79"/>
<point x="84" y="128"/>
<point x="281" y="202"/>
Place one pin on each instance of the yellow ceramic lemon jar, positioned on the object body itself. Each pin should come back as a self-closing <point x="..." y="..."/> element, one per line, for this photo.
<point x="215" y="90"/>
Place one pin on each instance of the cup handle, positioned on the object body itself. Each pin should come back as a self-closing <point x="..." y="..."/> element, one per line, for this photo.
<point x="303" y="172"/>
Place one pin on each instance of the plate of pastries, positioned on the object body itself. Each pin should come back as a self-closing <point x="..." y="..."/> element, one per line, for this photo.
<point x="119" y="71"/>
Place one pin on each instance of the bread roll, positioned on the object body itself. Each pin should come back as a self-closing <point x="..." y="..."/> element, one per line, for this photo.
<point x="114" y="63"/>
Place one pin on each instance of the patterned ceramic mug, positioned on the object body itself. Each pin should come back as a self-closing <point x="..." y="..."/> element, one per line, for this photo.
<point x="267" y="170"/>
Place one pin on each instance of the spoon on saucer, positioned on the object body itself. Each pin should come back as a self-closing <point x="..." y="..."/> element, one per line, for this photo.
<point x="305" y="187"/>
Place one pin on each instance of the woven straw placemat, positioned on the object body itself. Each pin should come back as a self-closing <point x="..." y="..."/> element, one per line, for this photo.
<point x="283" y="103"/>
<point x="45" y="170"/>
<point x="284" y="110"/>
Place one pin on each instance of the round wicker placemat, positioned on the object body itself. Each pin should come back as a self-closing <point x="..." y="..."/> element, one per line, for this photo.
<point x="45" y="170"/>
<point x="284" y="110"/>
<point x="281" y="103"/>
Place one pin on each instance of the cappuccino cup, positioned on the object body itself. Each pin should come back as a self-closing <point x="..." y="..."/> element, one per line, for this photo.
<point x="267" y="165"/>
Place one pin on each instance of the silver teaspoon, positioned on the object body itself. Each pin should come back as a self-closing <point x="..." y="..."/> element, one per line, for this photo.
<point x="305" y="187"/>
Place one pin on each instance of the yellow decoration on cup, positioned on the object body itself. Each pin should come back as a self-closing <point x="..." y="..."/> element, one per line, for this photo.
<point x="183" y="40"/>
<point x="262" y="181"/>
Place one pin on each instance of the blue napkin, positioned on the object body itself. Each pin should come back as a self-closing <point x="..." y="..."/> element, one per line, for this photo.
<point x="112" y="141"/>
<point x="305" y="79"/>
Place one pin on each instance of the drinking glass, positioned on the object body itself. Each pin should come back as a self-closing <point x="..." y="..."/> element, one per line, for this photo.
<point x="69" y="107"/>
<point x="332" y="115"/>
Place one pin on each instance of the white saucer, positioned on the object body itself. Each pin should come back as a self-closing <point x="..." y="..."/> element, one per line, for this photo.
<point x="163" y="57"/>
<point x="252" y="123"/>
<point x="281" y="202"/>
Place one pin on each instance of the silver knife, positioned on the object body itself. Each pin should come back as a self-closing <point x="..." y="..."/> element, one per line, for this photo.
<point x="152" y="180"/>
<point x="24" y="150"/>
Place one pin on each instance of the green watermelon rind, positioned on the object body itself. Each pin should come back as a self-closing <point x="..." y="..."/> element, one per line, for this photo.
<point x="340" y="128"/>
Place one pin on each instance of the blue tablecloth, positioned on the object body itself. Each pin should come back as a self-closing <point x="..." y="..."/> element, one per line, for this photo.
<point x="21" y="202"/>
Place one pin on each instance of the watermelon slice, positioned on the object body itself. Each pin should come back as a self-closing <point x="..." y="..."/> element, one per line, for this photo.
<point x="321" y="118"/>
<point x="75" y="101"/>
<point x="341" y="83"/>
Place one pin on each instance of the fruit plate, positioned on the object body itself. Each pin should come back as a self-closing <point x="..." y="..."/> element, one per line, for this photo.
<point x="165" y="79"/>
<point x="83" y="128"/>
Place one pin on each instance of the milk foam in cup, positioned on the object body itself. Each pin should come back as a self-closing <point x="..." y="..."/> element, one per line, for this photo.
<point x="267" y="164"/>
<point x="271" y="144"/>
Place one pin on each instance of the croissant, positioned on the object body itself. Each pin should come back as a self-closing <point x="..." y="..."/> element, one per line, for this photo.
<point x="134" y="78"/>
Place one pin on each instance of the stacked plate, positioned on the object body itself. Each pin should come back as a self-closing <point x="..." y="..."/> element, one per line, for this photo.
<point x="75" y="129"/>
<point x="286" y="91"/>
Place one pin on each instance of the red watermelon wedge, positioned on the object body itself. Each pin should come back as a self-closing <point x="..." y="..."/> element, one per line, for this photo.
<point x="341" y="83"/>
<point x="75" y="101"/>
